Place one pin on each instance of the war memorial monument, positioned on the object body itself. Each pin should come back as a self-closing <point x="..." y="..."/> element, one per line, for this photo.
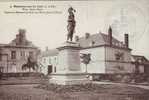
<point x="69" y="70"/>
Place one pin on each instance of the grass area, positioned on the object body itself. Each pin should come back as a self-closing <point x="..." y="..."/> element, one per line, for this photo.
<point x="75" y="92"/>
<point x="96" y="88"/>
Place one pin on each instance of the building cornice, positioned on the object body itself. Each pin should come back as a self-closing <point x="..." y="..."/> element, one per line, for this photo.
<point x="123" y="48"/>
<point x="118" y="61"/>
<point x="25" y="47"/>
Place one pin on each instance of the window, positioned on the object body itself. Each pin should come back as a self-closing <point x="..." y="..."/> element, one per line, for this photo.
<point x="54" y="69"/>
<point x="49" y="60"/>
<point x="55" y="59"/>
<point x="93" y="43"/>
<point x="1" y="69"/>
<point x="30" y="53"/>
<point x="44" y="60"/>
<point x="120" y="68"/>
<point x="13" y="54"/>
<point x="22" y="53"/>
<point x="119" y="56"/>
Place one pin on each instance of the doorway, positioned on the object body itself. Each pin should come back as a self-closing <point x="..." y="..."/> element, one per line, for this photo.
<point x="49" y="69"/>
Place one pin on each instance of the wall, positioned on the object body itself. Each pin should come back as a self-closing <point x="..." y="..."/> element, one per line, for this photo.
<point x="102" y="61"/>
<point x="97" y="64"/>
<point x="15" y="65"/>
<point x="123" y="65"/>
<point x="3" y="63"/>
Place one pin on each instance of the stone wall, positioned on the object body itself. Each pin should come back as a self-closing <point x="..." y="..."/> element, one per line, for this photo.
<point x="118" y="60"/>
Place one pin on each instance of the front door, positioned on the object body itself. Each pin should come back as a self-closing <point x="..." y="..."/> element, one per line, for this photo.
<point x="49" y="69"/>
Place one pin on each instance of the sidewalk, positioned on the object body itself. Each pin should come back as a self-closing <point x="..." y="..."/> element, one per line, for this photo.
<point x="124" y="84"/>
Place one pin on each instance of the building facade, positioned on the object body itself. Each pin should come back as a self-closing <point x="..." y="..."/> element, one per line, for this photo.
<point x="108" y="55"/>
<point x="16" y="53"/>
<point x="141" y="64"/>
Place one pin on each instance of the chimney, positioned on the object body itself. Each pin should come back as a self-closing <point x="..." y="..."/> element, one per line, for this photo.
<point x="22" y="36"/>
<point x="22" y="33"/>
<point x="17" y="40"/>
<point x="126" y="40"/>
<point x="110" y="35"/>
<point x="76" y="38"/>
<point x="87" y="35"/>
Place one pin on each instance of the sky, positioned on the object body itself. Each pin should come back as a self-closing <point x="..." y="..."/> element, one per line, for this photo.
<point x="49" y="29"/>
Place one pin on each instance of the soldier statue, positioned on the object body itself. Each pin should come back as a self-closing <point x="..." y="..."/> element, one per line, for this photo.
<point x="71" y="24"/>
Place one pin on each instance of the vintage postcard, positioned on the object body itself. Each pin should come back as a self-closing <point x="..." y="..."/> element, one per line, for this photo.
<point x="74" y="50"/>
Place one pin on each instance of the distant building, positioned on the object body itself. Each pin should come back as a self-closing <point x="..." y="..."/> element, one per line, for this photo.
<point x="141" y="64"/>
<point x="15" y="54"/>
<point x="108" y="55"/>
<point x="48" y="61"/>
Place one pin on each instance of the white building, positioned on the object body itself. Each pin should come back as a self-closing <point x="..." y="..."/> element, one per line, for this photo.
<point x="48" y="61"/>
<point x="108" y="55"/>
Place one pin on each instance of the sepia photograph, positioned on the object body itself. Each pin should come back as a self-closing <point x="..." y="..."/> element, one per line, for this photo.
<point x="74" y="50"/>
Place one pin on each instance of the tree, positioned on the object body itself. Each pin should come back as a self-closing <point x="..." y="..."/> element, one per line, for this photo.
<point x="86" y="58"/>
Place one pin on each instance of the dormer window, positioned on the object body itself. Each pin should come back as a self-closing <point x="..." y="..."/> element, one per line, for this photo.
<point x="93" y="43"/>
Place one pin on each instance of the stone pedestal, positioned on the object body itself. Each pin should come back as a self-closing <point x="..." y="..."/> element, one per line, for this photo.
<point x="68" y="69"/>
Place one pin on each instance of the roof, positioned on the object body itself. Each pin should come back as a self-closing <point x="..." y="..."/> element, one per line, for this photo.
<point x="139" y="57"/>
<point x="97" y="40"/>
<point x="19" y="41"/>
<point x="17" y="46"/>
<point x="52" y="52"/>
<point x="93" y="40"/>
